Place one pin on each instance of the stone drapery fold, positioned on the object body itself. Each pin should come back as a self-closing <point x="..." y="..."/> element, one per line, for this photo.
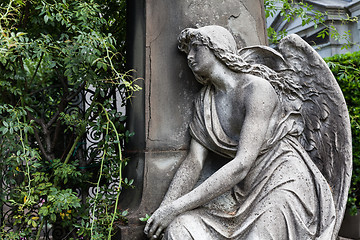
<point x="283" y="188"/>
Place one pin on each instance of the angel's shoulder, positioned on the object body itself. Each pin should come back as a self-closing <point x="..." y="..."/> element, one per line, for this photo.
<point x="257" y="87"/>
<point x="260" y="93"/>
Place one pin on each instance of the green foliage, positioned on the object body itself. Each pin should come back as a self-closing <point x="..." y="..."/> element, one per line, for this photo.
<point x="290" y="10"/>
<point x="144" y="219"/>
<point x="346" y="69"/>
<point x="52" y="51"/>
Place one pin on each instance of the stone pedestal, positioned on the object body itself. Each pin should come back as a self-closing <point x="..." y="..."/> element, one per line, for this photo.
<point x="350" y="228"/>
<point x="160" y="113"/>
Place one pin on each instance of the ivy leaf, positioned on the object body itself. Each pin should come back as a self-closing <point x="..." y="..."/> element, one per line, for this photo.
<point x="144" y="219"/>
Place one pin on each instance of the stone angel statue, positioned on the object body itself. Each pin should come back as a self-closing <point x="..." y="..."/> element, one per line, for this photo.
<point x="279" y="124"/>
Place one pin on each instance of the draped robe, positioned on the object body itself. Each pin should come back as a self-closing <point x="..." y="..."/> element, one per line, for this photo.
<point x="284" y="195"/>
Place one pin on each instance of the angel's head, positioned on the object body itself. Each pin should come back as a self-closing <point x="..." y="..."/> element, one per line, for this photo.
<point x="218" y="45"/>
<point x="208" y="42"/>
<point x="217" y="38"/>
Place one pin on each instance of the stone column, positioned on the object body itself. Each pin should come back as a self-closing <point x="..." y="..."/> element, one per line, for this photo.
<point x="160" y="113"/>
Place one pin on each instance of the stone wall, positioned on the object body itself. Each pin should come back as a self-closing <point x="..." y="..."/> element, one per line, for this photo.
<point x="160" y="113"/>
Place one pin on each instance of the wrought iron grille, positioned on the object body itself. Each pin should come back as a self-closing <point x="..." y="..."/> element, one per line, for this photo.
<point x="87" y="151"/>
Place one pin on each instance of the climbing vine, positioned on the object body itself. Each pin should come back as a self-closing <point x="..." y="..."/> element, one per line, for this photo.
<point x="62" y="77"/>
<point x="291" y="10"/>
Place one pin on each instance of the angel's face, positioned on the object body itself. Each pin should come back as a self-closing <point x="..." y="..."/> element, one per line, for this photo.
<point x="201" y="60"/>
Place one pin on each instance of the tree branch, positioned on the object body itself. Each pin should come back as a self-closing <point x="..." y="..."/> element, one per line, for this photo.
<point x="37" y="68"/>
<point x="41" y="146"/>
<point x="77" y="92"/>
<point x="83" y="127"/>
<point x="41" y="123"/>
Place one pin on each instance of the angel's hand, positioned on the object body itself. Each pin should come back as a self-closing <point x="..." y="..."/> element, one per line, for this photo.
<point x="161" y="218"/>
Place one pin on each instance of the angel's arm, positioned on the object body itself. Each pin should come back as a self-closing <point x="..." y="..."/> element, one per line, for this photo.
<point x="182" y="183"/>
<point x="188" y="173"/>
<point x="260" y="103"/>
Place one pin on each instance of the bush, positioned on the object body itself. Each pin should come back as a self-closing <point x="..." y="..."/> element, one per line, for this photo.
<point x="52" y="52"/>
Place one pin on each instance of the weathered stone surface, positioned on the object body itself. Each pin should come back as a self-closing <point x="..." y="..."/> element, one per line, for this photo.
<point x="169" y="86"/>
<point x="159" y="114"/>
<point x="282" y="124"/>
<point x="350" y="228"/>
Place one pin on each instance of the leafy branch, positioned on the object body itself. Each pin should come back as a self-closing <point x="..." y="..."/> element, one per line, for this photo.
<point x="48" y="69"/>
<point x="291" y="10"/>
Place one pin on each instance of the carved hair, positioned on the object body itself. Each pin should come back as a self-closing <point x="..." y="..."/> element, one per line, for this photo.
<point x="223" y="45"/>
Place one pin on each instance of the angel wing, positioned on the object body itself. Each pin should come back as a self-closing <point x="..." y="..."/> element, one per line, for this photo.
<point x="327" y="135"/>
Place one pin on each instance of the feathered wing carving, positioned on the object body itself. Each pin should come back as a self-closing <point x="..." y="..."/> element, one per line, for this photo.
<point x="327" y="135"/>
<point x="308" y="86"/>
